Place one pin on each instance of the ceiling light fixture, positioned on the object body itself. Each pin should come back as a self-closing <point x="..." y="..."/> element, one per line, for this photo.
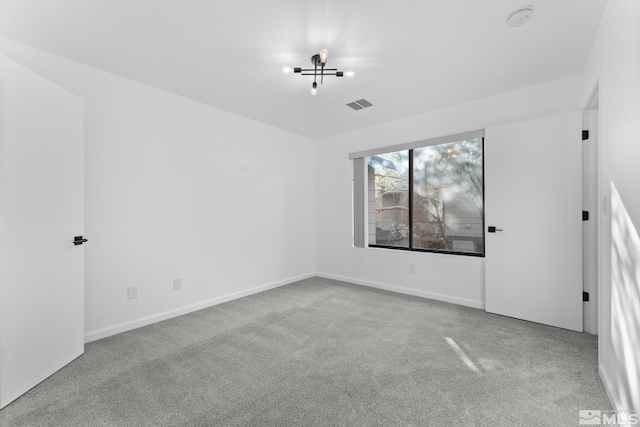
<point x="318" y="60"/>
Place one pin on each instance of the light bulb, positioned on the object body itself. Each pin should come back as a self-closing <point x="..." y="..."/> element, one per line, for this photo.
<point x="324" y="55"/>
<point x="350" y="73"/>
<point x="314" y="89"/>
<point x="286" y="69"/>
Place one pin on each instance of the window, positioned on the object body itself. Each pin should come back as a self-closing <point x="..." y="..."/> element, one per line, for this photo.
<point x="427" y="197"/>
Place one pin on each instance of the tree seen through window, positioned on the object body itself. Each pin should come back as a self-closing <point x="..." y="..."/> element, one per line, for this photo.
<point x="437" y="205"/>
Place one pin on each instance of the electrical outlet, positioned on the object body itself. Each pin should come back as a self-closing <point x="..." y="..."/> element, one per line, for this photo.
<point x="412" y="268"/>
<point x="132" y="292"/>
<point x="177" y="284"/>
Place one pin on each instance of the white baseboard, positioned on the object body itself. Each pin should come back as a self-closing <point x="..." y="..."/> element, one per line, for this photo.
<point x="613" y="397"/>
<point x="407" y="291"/>
<point x="138" y="323"/>
<point x="134" y="324"/>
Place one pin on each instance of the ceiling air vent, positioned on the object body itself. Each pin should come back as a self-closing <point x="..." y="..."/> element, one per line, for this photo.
<point x="359" y="104"/>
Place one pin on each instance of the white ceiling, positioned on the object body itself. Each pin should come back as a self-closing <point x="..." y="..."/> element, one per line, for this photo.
<point x="411" y="56"/>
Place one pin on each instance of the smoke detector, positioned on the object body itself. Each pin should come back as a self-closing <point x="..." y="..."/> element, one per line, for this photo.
<point x="520" y="16"/>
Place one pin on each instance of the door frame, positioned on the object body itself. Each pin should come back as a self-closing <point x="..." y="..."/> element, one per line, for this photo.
<point x="592" y="203"/>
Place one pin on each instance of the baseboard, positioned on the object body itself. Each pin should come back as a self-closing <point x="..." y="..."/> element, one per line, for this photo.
<point x="138" y="323"/>
<point x="613" y="397"/>
<point x="407" y="291"/>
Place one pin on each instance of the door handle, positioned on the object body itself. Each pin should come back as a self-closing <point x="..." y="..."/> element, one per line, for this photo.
<point x="493" y="229"/>
<point x="78" y="240"/>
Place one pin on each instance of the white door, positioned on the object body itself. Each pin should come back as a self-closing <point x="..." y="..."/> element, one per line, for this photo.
<point x="533" y="197"/>
<point x="41" y="211"/>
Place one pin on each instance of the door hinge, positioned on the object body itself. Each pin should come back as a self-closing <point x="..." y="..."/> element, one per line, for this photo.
<point x="585" y="215"/>
<point x="585" y="296"/>
<point x="585" y="135"/>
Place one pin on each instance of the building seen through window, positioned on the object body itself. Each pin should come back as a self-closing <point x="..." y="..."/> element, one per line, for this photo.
<point x="429" y="198"/>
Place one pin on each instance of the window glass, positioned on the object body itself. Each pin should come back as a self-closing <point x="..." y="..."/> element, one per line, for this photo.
<point x="389" y="199"/>
<point x="448" y="197"/>
<point x="428" y="198"/>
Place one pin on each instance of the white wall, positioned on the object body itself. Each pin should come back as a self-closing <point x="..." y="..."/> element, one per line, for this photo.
<point x="175" y="188"/>
<point x="458" y="279"/>
<point x="614" y="63"/>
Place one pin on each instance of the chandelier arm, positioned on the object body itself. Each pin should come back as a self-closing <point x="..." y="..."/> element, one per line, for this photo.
<point x="311" y="69"/>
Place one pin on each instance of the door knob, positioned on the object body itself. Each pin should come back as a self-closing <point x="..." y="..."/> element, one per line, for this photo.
<point x="78" y="240"/>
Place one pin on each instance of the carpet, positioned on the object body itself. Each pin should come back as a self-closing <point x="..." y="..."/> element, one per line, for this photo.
<point x="321" y="352"/>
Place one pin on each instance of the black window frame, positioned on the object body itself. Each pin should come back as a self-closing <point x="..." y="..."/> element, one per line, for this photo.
<point x="411" y="209"/>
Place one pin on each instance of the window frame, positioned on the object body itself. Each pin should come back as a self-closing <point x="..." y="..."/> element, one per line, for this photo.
<point x="360" y="205"/>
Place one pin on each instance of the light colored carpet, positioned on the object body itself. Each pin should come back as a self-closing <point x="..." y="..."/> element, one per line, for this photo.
<point x="324" y="353"/>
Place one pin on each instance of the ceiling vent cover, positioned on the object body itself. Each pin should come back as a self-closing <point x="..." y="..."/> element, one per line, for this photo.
<point x="359" y="104"/>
